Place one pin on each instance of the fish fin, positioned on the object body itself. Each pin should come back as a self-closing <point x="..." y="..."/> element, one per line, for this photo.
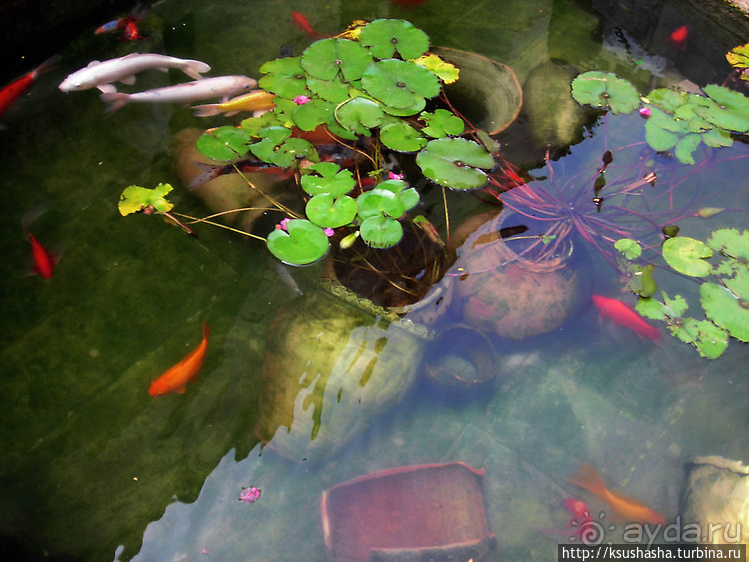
<point x="195" y="68"/>
<point x="206" y="329"/>
<point x="206" y="110"/>
<point x="587" y="477"/>
<point x="209" y="173"/>
<point x="129" y="80"/>
<point x="46" y="65"/>
<point x="181" y="390"/>
<point x="259" y="112"/>
<point x="230" y="113"/>
<point x="114" y="100"/>
<point x="106" y="88"/>
<point x="93" y="63"/>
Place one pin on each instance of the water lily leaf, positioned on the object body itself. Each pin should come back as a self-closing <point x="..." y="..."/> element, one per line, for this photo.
<point x="301" y="243"/>
<point x="398" y="83"/>
<point x="728" y="306"/>
<point x="686" y="255"/>
<point x="446" y="71"/>
<point x="224" y="143"/>
<point x="326" y="58"/>
<point x="710" y="340"/>
<point x="408" y="196"/>
<point x="454" y="163"/>
<point x="604" y="89"/>
<point x="327" y="177"/>
<point x="386" y="36"/>
<point x="686" y="146"/>
<point x="417" y="106"/>
<point x="311" y="114"/>
<point x="284" y="77"/>
<point x="648" y="286"/>
<point x="378" y="202"/>
<point x="656" y="310"/>
<point x="402" y="137"/>
<point x="136" y="198"/>
<point x="630" y="248"/>
<point x="381" y="232"/>
<point x="733" y="245"/>
<point x="716" y="138"/>
<point x="730" y="111"/>
<point x="738" y="57"/>
<point x="335" y="90"/>
<point x="359" y="115"/>
<point x="277" y="148"/>
<point x="667" y="100"/>
<point x="442" y="123"/>
<point x="253" y="125"/>
<point x="328" y="212"/>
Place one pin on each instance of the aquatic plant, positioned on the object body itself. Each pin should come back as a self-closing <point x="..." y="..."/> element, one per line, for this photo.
<point x="724" y="289"/>
<point x="738" y="58"/>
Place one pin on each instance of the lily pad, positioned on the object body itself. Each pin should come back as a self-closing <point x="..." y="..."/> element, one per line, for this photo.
<point x="446" y="71"/>
<point x="386" y="36"/>
<point x="136" y="198"/>
<point x="253" y="125"/>
<point x="605" y="89"/>
<point x="301" y="243"/>
<point x="408" y="196"/>
<point x="402" y="137"/>
<point x="733" y="245"/>
<point x="381" y="232"/>
<point x="738" y="57"/>
<point x="326" y="58"/>
<point x="442" y="123"/>
<point x="309" y="115"/>
<point x="630" y="248"/>
<point x="418" y="106"/>
<point x="284" y="77"/>
<point x="328" y="212"/>
<point x="687" y="256"/>
<point x="730" y="111"/>
<point x="359" y="115"/>
<point x="379" y="202"/>
<point x="728" y="306"/>
<point x="455" y="163"/>
<point x="399" y="83"/>
<point x="327" y="178"/>
<point x="335" y="90"/>
<point x="224" y="143"/>
<point x="277" y="148"/>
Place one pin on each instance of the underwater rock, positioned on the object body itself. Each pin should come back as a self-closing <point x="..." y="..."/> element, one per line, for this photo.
<point x="556" y="120"/>
<point x="505" y="292"/>
<point x="717" y="493"/>
<point x="333" y="361"/>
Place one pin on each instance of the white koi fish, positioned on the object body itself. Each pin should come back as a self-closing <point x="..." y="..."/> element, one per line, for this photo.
<point x="102" y="74"/>
<point x="188" y="92"/>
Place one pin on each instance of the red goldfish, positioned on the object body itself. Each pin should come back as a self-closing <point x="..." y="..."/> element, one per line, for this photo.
<point x="44" y="261"/>
<point x="620" y="313"/>
<point x="13" y="91"/>
<point x="629" y="509"/>
<point x="177" y="377"/>
<point x="137" y="14"/>
<point x="302" y="23"/>
<point x="679" y="37"/>
<point x="132" y="33"/>
<point x="579" y="522"/>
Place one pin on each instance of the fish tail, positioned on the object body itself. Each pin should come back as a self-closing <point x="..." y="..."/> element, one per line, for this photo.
<point x="195" y="68"/>
<point x="210" y="172"/>
<point x="114" y="100"/>
<point x="588" y="478"/>
<point x="206" y="330"/>
<point x="46" y="66"/>
<point x="207" y="110"/>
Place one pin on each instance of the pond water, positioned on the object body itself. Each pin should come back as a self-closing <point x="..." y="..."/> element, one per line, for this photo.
<point x="96" y="469"/>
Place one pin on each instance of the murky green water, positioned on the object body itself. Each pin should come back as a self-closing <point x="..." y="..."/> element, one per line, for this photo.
<point x="93" y="466"/>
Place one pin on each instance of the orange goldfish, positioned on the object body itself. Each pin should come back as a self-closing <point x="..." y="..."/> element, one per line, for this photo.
<point x="679" y="37"/>
<point x="629" y="509"/>
<point x="177" y="377"/>
<point x="620" y="313"/>
<point x="44" y="261"/>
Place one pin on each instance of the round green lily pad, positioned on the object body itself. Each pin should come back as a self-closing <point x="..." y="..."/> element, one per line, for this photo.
<point x="454" y="163"/>
<point x="359" y="115"/>
<point x="442" y="123"/>
<point x="408" y="196"/>
<point x="136" y="198"/>
<point x="402" y="137"/>
<point x="301" y="243"/>
<point x="687" y="256"/>
<point x="605" y="89"/>
<point x="417" y="106"/>
<point x="326" y="58"/>
<point x="728" y="306"/>
<point x="335" y="90"/>
<point x="630" y="248"/>
<point x="224" y="143"/>
<point x="311" y="114"/>
<point x="327" y="178"/>
<point x="284" y="77"/>
<point x="328" y="212"/>
<point x="398" y="83"/>
<point x="386" y="36"/>
<point x="381" y="232"/>
<point x="378" y="202"/>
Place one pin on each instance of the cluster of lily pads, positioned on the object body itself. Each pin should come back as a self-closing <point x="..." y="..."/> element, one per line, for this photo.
<point x="724" y="291"/>
<point x="370" y="84"/>
<point x="676" y="121"/>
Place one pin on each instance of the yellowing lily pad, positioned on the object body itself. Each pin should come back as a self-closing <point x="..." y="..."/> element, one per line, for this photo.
<point x="446" y="71"/>
<point x="136" y="198"/>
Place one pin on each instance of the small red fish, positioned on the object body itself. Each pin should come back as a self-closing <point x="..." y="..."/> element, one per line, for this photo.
<point x="679" y="37"/>
<point x="13" y="91"/>
<point x="132" y="33"/>
<point x="302" y="23"/>
<point x="138" y="13"/>
<point x="580" y="519"/>
<point x="629" y="509"/>
<point x="622" y="314"/>
<point x="44" y="261"/>
<point x="176" y="378"/>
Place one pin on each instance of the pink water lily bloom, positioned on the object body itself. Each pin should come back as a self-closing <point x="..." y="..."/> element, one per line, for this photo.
<point x="301" y="100"/>
<point x="394" y="176"/>
<point x="249" y="495"/>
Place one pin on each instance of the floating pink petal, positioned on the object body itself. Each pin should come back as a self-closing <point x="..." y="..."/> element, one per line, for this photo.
<point x="301" y="100"/>
<point x="394" y="176"/>
<point x="249" y="495"/>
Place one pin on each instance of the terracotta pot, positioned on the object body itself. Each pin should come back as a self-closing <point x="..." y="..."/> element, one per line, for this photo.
<point x="333" y="361"/>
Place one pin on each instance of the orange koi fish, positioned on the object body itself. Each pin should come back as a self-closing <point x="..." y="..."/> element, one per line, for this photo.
<point x="630" y="509"/>
<point x="679" y="37"/>
<point x="302" y="23"/>
<point x="15" y="89"/>
<point x="620" y="313"/>
<point x="44" y="261"/>
<point x="177" y="377"/>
